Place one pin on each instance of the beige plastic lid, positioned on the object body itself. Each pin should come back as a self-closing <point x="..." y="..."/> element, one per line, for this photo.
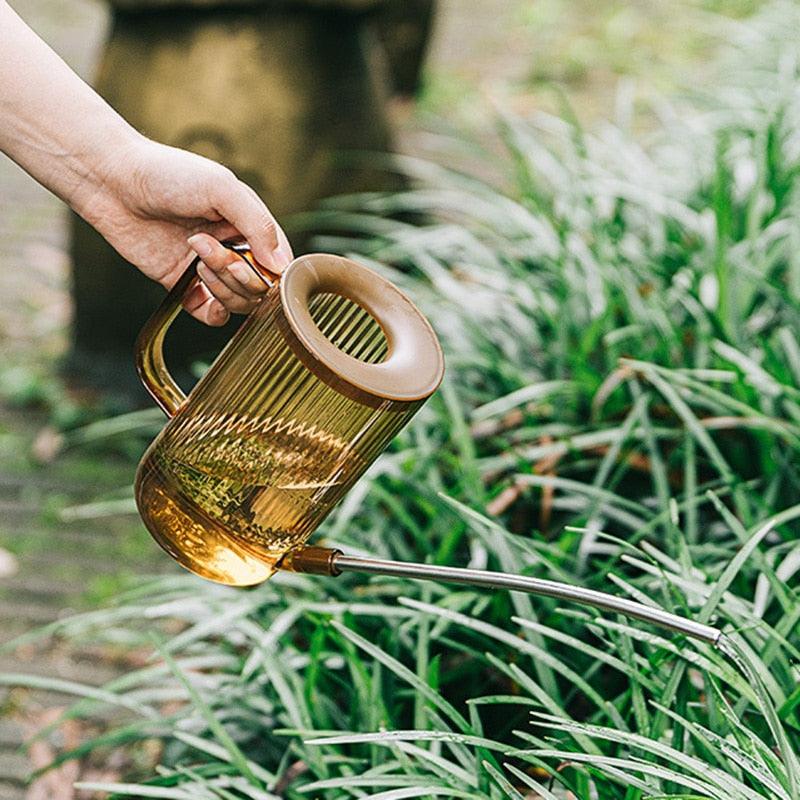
<point x="414" y="364"/>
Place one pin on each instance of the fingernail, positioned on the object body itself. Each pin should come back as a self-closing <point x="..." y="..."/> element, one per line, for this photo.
<point x="220" y="313"/>
<point x="200" y="246"/>
<point x="206" y="274"/>
<point x="240" y="272"/>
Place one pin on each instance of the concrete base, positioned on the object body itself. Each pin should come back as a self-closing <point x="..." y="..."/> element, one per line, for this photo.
<point x="275" y="94"/>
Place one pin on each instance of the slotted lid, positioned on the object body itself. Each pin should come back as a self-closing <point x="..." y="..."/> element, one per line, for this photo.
<point x="414" y="365"/>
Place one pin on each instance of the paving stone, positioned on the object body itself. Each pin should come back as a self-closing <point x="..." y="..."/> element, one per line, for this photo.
<point x="26" y="586"/>
<point x="30" y="542"/>
<point x="75" y="564"/>
<point x="77" y="532"/>
<point x="32" y="613"/>
<point x="95" y="674"/>
<point x="11" y="734"/>
<point x="10" y="792"/>
<point x="14" y="767"/>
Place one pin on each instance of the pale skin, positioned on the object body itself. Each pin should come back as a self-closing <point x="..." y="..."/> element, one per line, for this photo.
<point x="156" y="205"/>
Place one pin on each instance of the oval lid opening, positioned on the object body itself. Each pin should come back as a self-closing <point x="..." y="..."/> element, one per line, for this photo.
<point x="414" y="364"/>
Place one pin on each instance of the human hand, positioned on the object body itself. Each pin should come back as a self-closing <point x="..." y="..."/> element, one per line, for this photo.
<point x="146" y="199"/>
<point x="158" y="206"/>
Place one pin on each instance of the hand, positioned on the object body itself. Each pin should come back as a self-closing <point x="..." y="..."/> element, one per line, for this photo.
<point x="158" y="206"/>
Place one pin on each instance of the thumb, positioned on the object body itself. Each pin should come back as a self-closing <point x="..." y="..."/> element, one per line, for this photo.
<point x="244" y="209"/>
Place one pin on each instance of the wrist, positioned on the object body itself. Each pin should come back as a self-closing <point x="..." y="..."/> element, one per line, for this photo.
<point x="100" y="171"/>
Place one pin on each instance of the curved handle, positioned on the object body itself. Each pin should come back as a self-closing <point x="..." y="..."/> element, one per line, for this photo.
<point x="150" y="343"/>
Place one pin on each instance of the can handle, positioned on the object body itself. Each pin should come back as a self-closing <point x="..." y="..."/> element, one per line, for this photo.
<point x="150" y="343"/>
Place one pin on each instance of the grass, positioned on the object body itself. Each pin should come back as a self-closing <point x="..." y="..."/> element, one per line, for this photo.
<point x="622" y="411"/>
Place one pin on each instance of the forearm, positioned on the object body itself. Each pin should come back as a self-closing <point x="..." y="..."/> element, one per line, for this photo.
<point x="51" y="123"/>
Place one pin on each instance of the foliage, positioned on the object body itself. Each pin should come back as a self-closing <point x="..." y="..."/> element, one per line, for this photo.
<point x="622" y="410"/>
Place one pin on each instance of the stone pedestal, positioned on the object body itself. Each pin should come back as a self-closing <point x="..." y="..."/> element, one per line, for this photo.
<point x="404" y="30"/>
<point x="276" y="92"/>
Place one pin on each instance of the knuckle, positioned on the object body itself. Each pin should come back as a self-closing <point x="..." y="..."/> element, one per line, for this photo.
<point x="209" y="277"/>
<point x="226" y="175"/>
<point x="220" y="291"/>
<point x="268" y="225"/>
<point x="240" y="274"/>
<point x="222" y="185"/>
<point x="217" y="259"/>
<point x="217" y="314"/>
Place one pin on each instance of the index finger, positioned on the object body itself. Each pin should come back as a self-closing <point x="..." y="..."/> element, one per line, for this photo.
<point x="244" y="209"/>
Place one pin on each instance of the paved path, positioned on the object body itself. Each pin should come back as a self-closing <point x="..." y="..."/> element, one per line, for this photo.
<point x="57" y="568"/>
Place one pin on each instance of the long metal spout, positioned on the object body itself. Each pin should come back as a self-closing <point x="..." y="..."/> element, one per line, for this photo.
<point x="328" y="561"/>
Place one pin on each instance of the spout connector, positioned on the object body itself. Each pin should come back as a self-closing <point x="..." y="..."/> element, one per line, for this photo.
<point x="312" y="561"/>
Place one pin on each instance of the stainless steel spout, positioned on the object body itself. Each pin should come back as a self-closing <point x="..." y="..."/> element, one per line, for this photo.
<point x="328" y="561"/>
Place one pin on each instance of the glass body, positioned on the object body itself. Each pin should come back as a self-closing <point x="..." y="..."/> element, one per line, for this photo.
<point x="266" y="444"/>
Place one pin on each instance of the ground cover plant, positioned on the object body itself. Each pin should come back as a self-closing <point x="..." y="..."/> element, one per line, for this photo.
<point x="622" y="411"/>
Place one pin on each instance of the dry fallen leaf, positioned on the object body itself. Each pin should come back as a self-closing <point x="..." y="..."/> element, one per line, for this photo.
<point x="56" y="784"/>
<point x="8" y="564"/>
<point x="47" y="445"/>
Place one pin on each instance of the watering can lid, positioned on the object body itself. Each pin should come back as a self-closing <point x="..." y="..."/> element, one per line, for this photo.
<point x="414" y="365"/>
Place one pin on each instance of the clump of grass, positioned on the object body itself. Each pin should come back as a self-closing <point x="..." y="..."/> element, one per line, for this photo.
<point x="622" y="411"/>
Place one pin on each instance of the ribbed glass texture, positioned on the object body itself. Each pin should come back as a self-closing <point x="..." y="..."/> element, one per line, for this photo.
<point x="264" y="447"/>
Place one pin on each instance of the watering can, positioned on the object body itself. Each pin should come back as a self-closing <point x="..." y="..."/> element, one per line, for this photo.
<point x="316" y="382"/>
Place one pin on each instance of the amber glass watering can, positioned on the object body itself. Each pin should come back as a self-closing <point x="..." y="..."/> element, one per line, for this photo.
<point x="319" y="378"/>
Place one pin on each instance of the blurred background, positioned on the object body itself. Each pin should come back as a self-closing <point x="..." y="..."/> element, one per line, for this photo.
<point x="455" y="61"/>
<point x="298" y="84"/>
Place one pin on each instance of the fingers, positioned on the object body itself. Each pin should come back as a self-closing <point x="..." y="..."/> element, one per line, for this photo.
<point x="244" y="209"/>
<point x="203" y="306"/>
<point x="226" y="276"/>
